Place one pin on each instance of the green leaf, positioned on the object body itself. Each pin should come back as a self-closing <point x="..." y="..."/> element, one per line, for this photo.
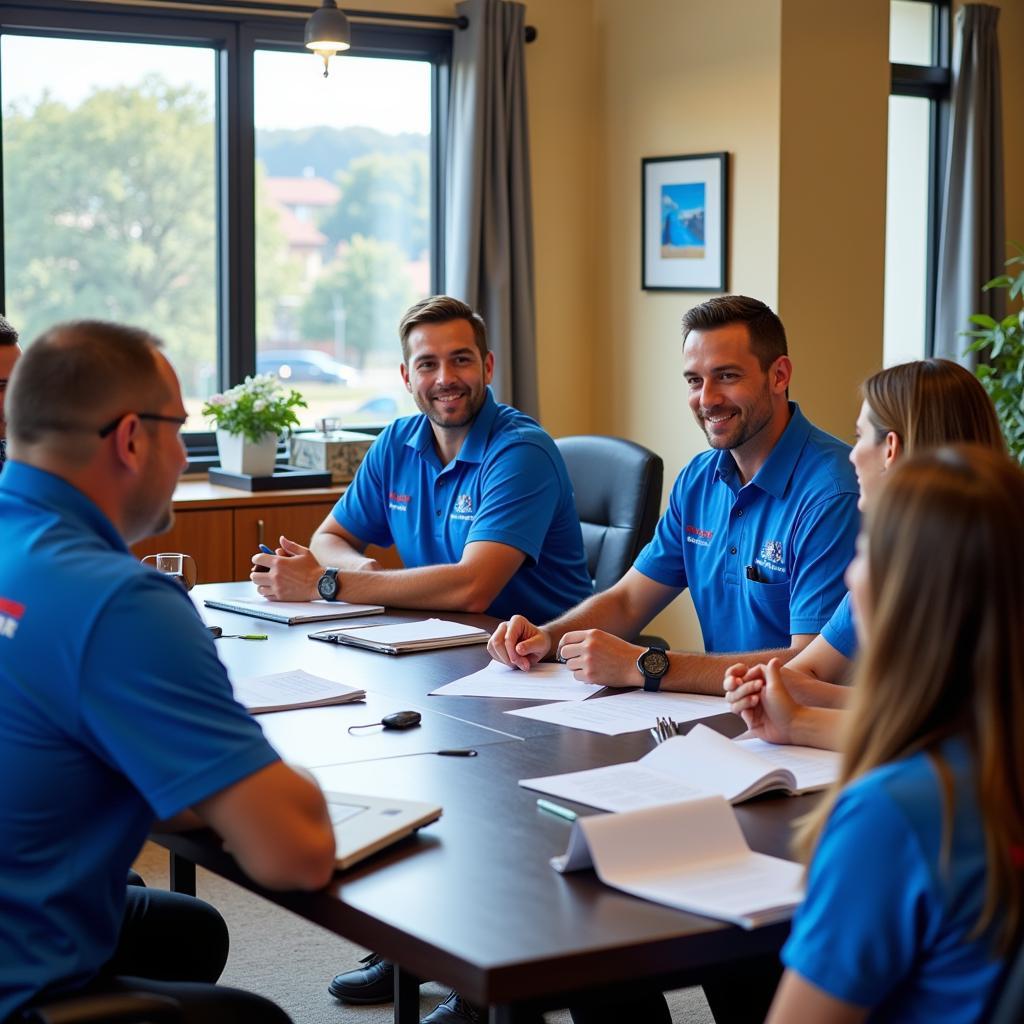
<point x="983" y="320"/>
<point x="1002" y="281"/>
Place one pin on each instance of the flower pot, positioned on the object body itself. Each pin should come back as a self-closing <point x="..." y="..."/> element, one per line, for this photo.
<point x="240" y="455"/>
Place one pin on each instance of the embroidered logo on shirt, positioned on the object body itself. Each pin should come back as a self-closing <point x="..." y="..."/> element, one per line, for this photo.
<point x="463" y="507"/>
<point x="10" y="616"/>
<point x="695" y="535"/>
<point x="771" y="557"/>
<point x="399" y="502"/>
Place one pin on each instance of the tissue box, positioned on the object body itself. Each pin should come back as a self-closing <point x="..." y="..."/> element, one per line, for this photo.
<point x="339" y="452"/>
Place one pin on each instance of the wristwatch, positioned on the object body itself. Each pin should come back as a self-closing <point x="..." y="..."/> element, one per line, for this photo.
<point x="653" y="664"/>
<point x="328" y="586"/>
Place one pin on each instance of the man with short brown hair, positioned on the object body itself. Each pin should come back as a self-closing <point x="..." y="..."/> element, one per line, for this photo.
<point x="760" y="529"/>
<point x="117" y="711"/>
<point x="474" y="495"/>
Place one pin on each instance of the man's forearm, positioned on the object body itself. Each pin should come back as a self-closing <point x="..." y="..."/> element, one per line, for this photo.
<point x="704" y="673"/>
<point x="437" y="587"/>
<point x="329" y="549"/>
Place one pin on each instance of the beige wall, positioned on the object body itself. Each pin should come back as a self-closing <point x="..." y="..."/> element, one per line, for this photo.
<point x="834" y="109"/>
<point x="694" y="77"/>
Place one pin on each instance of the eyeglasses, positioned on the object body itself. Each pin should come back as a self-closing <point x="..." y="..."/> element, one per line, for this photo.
<point x="112" y="425"/>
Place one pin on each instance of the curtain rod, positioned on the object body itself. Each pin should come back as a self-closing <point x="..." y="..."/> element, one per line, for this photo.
<point x="259" y="6"/>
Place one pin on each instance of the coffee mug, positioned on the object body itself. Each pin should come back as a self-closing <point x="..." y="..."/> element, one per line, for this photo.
<point x="176" y="565"/>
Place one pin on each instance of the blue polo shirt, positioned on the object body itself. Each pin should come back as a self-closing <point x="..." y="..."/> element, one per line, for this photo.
<point x="840" y="631"/>
<point x="508" y="484"/>
<point x="888" y="915"/>
<point x="794" y="524"/>
<point x="116" y="711"/>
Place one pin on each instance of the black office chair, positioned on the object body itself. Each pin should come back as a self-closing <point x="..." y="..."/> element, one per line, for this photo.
<point x="1008" y="1006"/>
<point x="618" y="495"/>
<point x="112" y="1008"/>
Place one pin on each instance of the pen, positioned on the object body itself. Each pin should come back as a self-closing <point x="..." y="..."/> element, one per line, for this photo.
<point x="242" y="636"/>
<point x="465" y="752"/>
<point x="266" y="551"/>
<point x="753" y="574"/>
<point x="557" y="810"/>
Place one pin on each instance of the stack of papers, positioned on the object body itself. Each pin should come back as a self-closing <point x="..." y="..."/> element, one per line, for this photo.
<point x="398" y="638"/>
<point x="548" y="681"/>
<point x="626" y="712"/>
<point x="692" y="767"/>
<point x="284" y="691"/>
<point x="690" y="856"/>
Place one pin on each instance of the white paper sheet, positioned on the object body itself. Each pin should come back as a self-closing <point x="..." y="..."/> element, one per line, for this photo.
<point x="812" y="768"/>
<point x="548" y="681"/>
<point x="294" y="689"/>
<point x="410" y="632"/>
<point x="691" y="856"/>
<point x="626" y="712"/>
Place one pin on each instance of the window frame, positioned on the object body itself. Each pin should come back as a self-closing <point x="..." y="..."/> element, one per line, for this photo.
<point x="235" y="39"/>
<point x="932" y="82"/>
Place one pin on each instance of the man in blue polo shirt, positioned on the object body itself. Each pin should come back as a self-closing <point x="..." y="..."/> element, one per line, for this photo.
<point x="760" y="528"/>
<point x="474" y="495"/>
<point x="116" y="709"/>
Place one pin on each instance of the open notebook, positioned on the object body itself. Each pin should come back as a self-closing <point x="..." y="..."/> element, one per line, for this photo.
<point x="693" y="766"/>
<point x="365" y="824"/>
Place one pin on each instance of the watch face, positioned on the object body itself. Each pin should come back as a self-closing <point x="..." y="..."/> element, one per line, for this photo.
<point x="327" y="586"/>
<point x="655" y="663"/>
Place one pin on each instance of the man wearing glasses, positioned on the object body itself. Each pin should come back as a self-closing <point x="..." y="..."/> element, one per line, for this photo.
<point x="117" y="711"/>
<point x="9" y="352"/>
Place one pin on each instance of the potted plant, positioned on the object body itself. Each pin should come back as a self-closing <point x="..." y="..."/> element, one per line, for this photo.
<point x="249" y="419"/>
<point x="1002" y="342"/>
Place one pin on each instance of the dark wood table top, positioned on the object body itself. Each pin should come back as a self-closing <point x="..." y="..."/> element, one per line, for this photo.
<point x="472" y="900"/>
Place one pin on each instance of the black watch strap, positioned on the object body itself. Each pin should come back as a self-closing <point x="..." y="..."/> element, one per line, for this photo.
<point x="653" y="664"/>
<point x="327" y="586"/>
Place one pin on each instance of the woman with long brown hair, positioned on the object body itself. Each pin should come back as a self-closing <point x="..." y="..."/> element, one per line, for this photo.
<point x="905" y="409"/>
<point x="914" y="887"/>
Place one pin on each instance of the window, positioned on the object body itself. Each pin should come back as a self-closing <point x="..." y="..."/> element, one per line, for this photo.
<point x="919" y="54"/>
<point x="342" y="227"/>
<point x="198" y="176"/>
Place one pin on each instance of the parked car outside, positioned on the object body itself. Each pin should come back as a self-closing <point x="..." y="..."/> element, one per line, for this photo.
<point x="305" y="365"/>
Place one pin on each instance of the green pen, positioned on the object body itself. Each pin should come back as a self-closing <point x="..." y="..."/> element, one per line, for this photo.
<point x="557" y="810"/>
<point x="243" y="636"/>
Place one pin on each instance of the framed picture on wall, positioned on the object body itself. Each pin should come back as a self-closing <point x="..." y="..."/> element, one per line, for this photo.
<point x="684" y="222"/>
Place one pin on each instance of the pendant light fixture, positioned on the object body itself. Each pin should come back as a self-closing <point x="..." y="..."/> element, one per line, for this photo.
<point x="327" y="32"/>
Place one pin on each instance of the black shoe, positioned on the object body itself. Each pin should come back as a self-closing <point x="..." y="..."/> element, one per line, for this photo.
<point x="454" y="1010"/>
<point x="374" y="983"/>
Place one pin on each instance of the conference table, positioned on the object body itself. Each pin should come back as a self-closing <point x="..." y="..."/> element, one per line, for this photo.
<point x="471" y="901"/>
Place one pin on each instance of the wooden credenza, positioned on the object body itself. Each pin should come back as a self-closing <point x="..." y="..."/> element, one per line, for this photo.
<point x="222" y="528"/>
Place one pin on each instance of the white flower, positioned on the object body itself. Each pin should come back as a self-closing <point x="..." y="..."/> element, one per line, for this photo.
<point x="259" y="405"/>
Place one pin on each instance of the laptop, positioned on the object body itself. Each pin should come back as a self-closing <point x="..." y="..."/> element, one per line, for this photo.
<point x="365" y="824"/>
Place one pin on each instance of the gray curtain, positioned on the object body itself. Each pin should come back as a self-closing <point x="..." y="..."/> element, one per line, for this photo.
<point x="488" y="210"/>
<point x="972" y="246"/>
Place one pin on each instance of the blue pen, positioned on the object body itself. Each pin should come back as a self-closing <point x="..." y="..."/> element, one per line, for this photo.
<point x="266" y="551"/>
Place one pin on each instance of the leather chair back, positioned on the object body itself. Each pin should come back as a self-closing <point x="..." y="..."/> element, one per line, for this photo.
<point x="618" y="496"/>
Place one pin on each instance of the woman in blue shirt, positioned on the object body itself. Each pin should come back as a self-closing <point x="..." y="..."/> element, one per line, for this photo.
<point x="914" y="893"/>
<point x="905" y="409"/>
